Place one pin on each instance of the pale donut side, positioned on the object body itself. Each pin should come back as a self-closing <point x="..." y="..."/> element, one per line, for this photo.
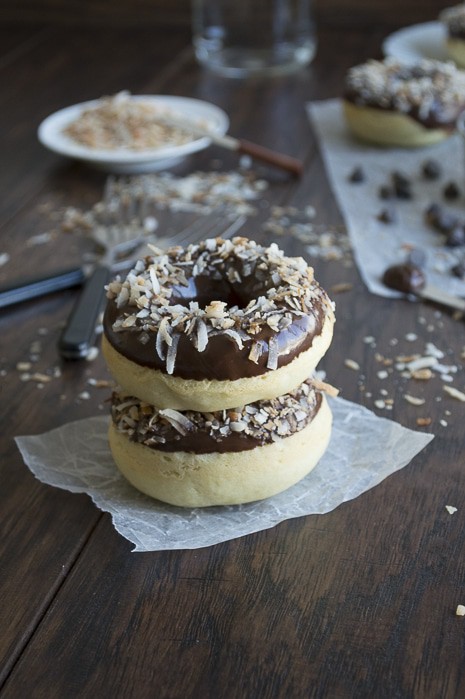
<point x="166" y="391"/>
<point x="456" y="50"/>
<point x="389" y="128"/>
<point x="201" y="480"/>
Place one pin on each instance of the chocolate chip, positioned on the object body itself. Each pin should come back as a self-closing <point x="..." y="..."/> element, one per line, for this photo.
<point x="451" y="191"/>
<point x="456" y="237"/>
<point x="387" y="215"/>
<point x="458" y="270"/>
<point x="357" y="175"/>
<point x="406" y="278"/>
<point x="385" y="192"/>
<point x="431" y="170"/>
<point x="402" y="186"/>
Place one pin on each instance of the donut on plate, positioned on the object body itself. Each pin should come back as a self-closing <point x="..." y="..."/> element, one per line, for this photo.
<point x="227" y="457"/>
<point x="218" y="324"/>
<point x="453" y="19"/>
<point x="393" y="104"/>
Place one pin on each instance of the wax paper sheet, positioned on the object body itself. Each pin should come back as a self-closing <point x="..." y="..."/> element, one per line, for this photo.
<point x="364" y="449"/>
<point x="378" y="245"/>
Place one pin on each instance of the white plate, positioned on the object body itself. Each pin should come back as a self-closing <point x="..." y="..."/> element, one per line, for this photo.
<point x="418" y="41"/>
<point x="125" y="161"/>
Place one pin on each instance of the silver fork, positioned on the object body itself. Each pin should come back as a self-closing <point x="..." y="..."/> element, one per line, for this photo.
<point x="120" y="234"/>
<point x="79" y="333"/>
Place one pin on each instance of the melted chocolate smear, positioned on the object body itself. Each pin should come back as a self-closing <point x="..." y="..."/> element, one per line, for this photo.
<point x="406" y="278"/>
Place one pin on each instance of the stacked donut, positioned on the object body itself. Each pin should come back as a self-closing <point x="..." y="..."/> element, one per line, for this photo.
<point x="393" y="104"/>
<point x="213" y="347"/>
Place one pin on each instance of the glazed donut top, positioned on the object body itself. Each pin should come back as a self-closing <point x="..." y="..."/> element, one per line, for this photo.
<point x="431" y="92"/>
<point x="221" y="431"/>
<point x="454" y="20"/>
<point x="219" y="309"/>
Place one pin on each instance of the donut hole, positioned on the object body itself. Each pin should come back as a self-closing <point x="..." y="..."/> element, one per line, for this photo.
<point x="204" y="290"/>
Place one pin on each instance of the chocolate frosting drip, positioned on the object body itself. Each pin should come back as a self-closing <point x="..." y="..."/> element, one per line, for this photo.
<point x="221" y="359"/>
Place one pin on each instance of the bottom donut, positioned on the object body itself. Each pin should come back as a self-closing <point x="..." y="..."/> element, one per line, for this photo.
<point x="225" y="458"/>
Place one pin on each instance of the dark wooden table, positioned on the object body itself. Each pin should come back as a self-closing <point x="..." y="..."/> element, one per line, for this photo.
<point x="360" y="602"/>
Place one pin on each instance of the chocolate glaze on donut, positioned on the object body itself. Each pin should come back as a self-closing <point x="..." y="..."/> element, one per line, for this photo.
<point x="256" y="305"/>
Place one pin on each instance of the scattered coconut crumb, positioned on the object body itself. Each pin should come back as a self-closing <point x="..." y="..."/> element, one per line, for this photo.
<point x="352" y="364"/>
<point x="460" y="611"/>
<point x="451" y="509"/>
<point x="424" y="421"/>
<point x="454" y="393"/>
<point x="413" y="400"/>
<point x="92" y="354"/>
<point x="340" y="288"/>
<point x="4" y="258"/>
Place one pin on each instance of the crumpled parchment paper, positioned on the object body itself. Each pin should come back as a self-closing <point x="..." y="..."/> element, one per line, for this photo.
<point x="364" y="449"/>
<point x="378" y="245"/>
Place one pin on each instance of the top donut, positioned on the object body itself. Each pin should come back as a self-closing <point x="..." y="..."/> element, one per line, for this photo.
<point x="225" y="313"/>
<point x="391" y="103"/>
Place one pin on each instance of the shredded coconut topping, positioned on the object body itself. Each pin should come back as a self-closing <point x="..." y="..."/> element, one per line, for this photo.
<point x="424" y="86"/>
<point x="120" y="121"/>
<point x="266" y="421"/>
<point x="283" y="289"/>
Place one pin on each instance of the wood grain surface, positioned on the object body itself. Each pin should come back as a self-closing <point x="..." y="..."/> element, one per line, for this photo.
<point x="356" y="603"/>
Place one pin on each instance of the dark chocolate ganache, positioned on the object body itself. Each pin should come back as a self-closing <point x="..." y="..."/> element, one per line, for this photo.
<point x="430" y="92"/>
<point x="236" y="319"/>
<point x="223" y="431"/>
<point x="222" y="359"/>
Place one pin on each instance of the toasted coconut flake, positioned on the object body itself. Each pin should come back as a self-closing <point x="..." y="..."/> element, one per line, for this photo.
<point x="413" y="400"/>
<point x="202" y="335"/>
<point x="256" y="351"/>
<point x="171" y="354"/>
<point x="159" y="347"/>
<point x="454" y="393"/>
<point x="272" y="362"/>
<point x="352" y="364"/>
<point x="324" y="387"/>
<point x="288" y="290"/>
<point x="179" y="421"/>
<point x="234" y="336"/>
<point x="154" y="280"/>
